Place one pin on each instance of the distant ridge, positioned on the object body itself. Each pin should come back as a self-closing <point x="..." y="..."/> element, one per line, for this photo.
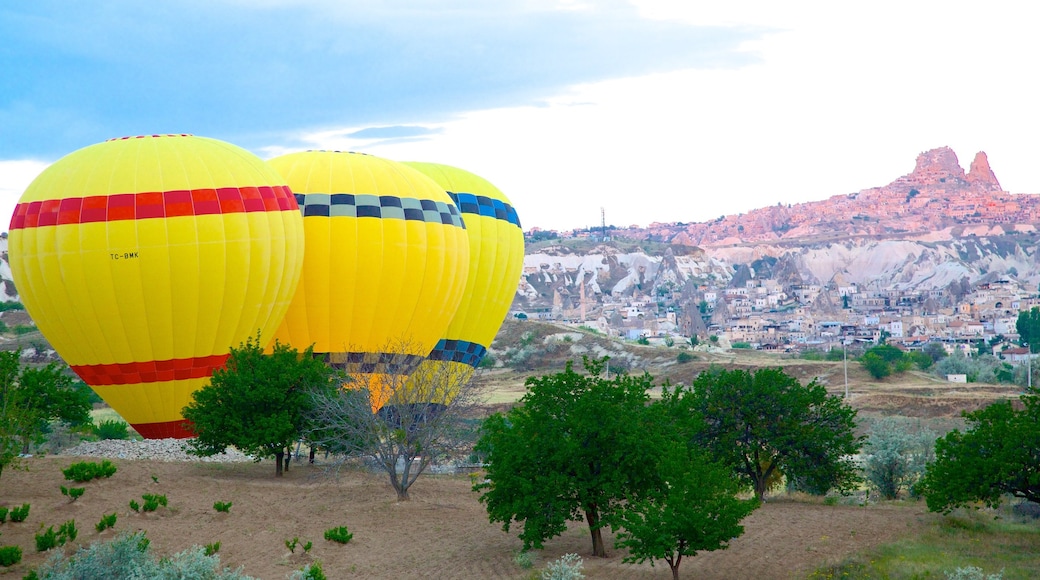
<point x="936" y="195"/>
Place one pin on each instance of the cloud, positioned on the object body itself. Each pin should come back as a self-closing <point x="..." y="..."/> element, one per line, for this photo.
<point x="252" y="73"/>
<point x="394" y="132"/>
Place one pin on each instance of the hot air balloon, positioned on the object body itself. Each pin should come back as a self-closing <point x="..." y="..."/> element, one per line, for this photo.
<point x="385" y="264"/>
<point x="496" y="260"/>
<point x="144" y="259"/>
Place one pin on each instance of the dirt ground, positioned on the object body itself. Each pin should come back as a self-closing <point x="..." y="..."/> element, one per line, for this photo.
<point x="443" y="532"/>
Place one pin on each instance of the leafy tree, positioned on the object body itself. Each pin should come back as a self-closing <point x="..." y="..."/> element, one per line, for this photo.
<point x="998" y="453"/>
<point x="424" y="415"/>
<point x="765" y="421"/>
<point x="30" y="400"/>
<point x="875" y="365"/>
<point x="258" y="402"/>
<point x="936" y="350"/>
<point x="694" y="509"/>
<point x="576" y="447"/>
<point x="896" y="456"/>
<point x="1028" y="327"/>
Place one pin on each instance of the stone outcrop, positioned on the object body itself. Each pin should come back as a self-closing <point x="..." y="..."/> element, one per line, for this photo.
<point x="980" y="175"/>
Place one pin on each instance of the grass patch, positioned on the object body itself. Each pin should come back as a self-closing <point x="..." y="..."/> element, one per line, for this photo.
<point x="956" y="541"/>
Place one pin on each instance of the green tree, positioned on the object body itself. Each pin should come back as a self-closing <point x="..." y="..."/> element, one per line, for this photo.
<point x="875" y="365"/>
<point x="30" y="400"/>
<point x="765" y="421"/>
<point x="258" y="402"/>
<point x="936" y="350"/>
<point x="575" y="447"/>
<point x="895" y="456"/>
<point x="998" y="454"/>
<point x="1028" y="327"/>
<point x="694" y="509"/>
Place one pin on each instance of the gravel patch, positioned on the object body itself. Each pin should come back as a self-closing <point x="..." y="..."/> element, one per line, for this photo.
<point x="149" y="449"/>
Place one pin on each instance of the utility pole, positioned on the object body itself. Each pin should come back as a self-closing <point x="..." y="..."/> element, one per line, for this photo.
<point x="603" y="222"/>
<point x="845" y="362"/>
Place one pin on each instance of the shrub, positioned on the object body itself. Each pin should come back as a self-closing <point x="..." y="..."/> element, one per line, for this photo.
<point x="135" y="506"/>
<point x="107" y="521"/>
<point x="212" y="548"/>
<point x="683" y="357"/>
<point x="88" y="470"/>
<point x="46" y="540"/>
<point x="73" y="493"/>
<point x="311" y="571"/>
<point x="10" y="555"/>
<point x="567" y="567"/>
<point x="895" y="456"/>
<point x="68" y="531"/>
<point x="222" y="506"/>
<point x="339" y="534"/>
<point x="19" y="514"/>
<point x="3" y="514"/>
<point x="972" y="573"/>
<point x="111" y="429"/>
<point x="152" y="502"/>
<point x="127" y="556"/>
<point x="524" y="560"/>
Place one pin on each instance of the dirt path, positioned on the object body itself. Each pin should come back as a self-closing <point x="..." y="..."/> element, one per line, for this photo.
<point x="442" y="533"/>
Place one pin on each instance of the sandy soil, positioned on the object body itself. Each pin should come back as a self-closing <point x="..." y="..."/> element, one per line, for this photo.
<point x="442" y="532"/>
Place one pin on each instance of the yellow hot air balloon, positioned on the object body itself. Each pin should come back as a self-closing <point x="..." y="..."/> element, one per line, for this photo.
<point x="385" y="265"/>
<point x="144" y="259"/>
<point x="496" y="260"/>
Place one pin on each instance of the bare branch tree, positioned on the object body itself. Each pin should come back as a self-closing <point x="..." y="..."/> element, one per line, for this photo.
<point x="399" y="422"/>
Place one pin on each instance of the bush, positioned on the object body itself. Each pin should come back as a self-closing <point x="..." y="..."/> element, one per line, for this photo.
<point x="46" y="540"/>
<point x="135" y="506"/>
<point x="311" y="571"/>
<point x="3" y="514"/>
<point x="111" y="429"/>
<point x="895" y="457"/>
<point x="683" y="357"/>
<point x="10" y="555"/>
<point x="524" y="560"/>
<point x="19" y="514"/>
<point x="88" y="470"/>
<point x="127" y="556"/>
<point x="222" y="506"/>
<point x="152" y="502"/>
<point x="107" y="521"/>
<point x="211" y="549"/>
<point x="568" y="567"/>
<point x="972" y="573"/>
<point x="339" y="534"/>
<point x="72" y="493"/>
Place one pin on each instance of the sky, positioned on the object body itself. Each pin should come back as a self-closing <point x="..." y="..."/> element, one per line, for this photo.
<point x="646" y="110"/>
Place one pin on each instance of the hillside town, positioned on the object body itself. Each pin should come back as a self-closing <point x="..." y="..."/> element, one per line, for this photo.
<point x="938" y="255"/>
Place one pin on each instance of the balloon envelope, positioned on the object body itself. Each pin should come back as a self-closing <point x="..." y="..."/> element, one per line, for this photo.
<point x="496" y="260"/>
<point x="385" y="263"/>
<point x="143" y="260"/>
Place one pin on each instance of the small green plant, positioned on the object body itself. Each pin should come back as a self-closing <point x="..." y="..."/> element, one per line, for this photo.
<point x="683" y="357"/>
<point x="567" y="567"/>
<point x="307" y="547"/>
<point x="46" y="540"/>
<point x="84" y="471"/>
<point x="3" y="514"/>
<point x="10" y="555"/>
<point x="222" y="506"/>
<point x="155" y="478"/>
<point x="291" y="544"/>
<point x="73" y="493"/>
<point x="19" y="514"/>
<point x="135" y="506"/>
<point x="152" y="502"/>
<point x="339" y="534"/>
<point x="211" y="549"/>
<point x="524" y="560"/>
<point x="107" y="521"/>
<point x="111" y="429"/>
<point x="311" y="571"/>
<point x="68" y="531"/>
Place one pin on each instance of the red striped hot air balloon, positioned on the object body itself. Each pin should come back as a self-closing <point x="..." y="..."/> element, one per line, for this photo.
<point x="143" y="260"/>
